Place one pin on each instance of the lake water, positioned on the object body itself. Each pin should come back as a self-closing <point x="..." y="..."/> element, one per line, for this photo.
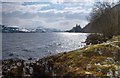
<point x="38" y="45"/>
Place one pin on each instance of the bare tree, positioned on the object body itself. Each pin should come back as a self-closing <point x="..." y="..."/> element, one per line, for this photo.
<point x="98" y="9"/>
<point x="105" y="16"/>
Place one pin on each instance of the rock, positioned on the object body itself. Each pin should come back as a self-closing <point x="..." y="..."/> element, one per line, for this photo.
<point x="11" y="54"/>
<point x="30" y="58"/>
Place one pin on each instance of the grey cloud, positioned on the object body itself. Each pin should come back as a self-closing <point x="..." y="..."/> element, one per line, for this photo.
<point x="18" y="14"/>
<point x="55" y="18"/>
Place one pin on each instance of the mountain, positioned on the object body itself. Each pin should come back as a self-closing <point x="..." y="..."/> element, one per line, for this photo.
<point x="43" y="30"/>
<point x="108" y="22"/>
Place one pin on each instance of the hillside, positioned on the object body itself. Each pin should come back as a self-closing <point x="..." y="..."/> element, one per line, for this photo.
<point x="95" y="60"/>
<point x="77" y="28"/>
<point x="107" y="21"/>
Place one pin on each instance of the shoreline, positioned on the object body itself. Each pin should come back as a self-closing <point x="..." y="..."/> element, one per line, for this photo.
<point x="94" y="60"/>
<point x="49" y="54"/>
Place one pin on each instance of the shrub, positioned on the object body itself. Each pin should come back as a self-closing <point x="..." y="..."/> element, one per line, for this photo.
<point x="95" y="39"/>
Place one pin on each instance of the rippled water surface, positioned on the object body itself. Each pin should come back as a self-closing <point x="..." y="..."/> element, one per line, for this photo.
<point x="38" y="45"/>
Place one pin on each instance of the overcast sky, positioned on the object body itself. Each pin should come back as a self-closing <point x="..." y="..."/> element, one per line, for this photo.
<point x="59" y="14"/>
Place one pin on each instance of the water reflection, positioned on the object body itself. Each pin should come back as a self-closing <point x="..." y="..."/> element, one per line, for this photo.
<point x="36" y="45"/>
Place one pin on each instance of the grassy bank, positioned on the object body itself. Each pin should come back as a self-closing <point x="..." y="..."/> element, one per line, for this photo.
<point x="94" y="60"/>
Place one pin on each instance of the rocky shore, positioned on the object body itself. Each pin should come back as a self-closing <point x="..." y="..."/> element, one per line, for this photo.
<point x="100" y="60"/>
<point x="27" y="68"/>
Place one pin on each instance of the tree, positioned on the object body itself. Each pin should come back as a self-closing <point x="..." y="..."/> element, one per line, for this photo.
<point x="99" y="8"/>
<point x="105" y="15"/>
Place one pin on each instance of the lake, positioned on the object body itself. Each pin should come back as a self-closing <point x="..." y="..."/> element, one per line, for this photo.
<point x="38" y="45"/>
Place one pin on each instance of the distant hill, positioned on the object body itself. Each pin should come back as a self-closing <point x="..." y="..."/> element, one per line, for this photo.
<point x="16" y="29"/>
<point x="107" y="21"/>
<point x="76" y="29"/>
<point x="41" y="29"/>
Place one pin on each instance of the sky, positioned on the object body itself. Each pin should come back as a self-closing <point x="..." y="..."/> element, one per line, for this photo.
<point x="59" y="14"/>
